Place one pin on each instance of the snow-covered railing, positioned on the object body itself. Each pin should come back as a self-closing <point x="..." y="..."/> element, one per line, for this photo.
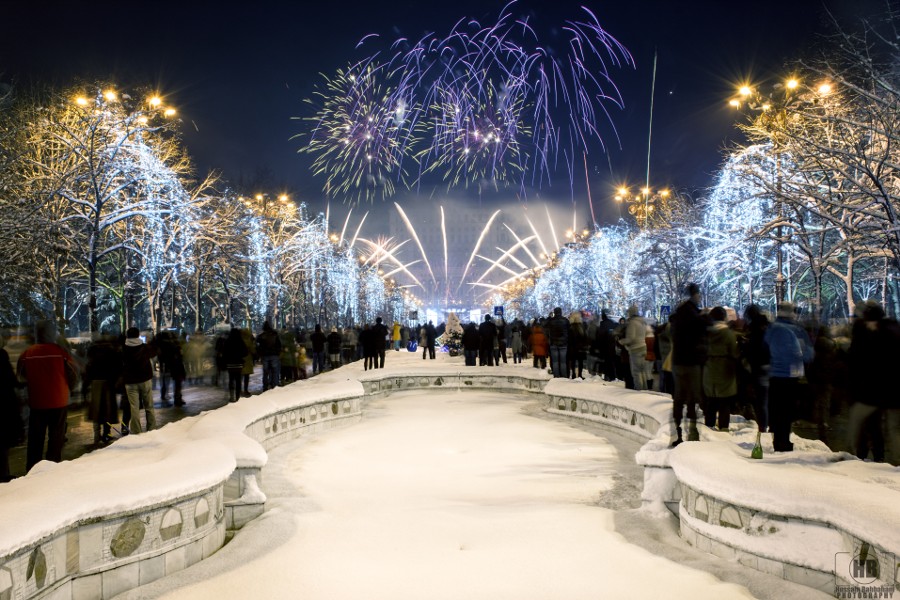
<point x="815" y="517"/>
<point x="154" y="504"/>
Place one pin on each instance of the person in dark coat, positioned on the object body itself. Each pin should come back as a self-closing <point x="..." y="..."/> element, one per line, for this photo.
<point x="318" y="340"/>
<point x="367" y="343"/>
<point x="12" y="430"/>
<point x="249" y="359"/>
<point x="268" y="348"/>
<point x="334" y="341"/>
<point x="606" y="346"/>
<point x="688" y="356"/>
<point x="101" y="374"/>
<point x="471" y="342"/>
<point x="873" y="350"/>
<point x="171" y="366"/>
<point x="379" y="335"/>
<point x="234" y="352"/>
<point x="487" y="331"/>
<point x="755" y="353"/>
<point x="720" y="371"/>
<point x="558" y="337"/>
<point x="502" y="331"/>
<point x="430" y="339"/>
<point x="576" y="351"/>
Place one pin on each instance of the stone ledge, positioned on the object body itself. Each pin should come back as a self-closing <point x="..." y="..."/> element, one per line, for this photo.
<point x="75" y="560"/>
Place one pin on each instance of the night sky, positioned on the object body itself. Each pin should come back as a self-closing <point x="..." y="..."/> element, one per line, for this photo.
<point x="238" y="75"/>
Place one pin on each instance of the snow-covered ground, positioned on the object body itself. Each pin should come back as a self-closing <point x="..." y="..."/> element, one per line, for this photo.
<point x="459" y="495"/>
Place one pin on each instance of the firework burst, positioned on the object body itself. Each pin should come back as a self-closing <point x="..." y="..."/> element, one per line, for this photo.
<point x="497" y="104"/>
<point x="361" y="134"/>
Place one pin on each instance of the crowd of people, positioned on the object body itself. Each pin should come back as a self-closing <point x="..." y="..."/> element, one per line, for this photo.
<point x="770" y="371"/>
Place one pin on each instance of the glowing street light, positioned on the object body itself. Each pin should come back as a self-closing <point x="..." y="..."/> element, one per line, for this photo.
<point x="775" y="109"/>
<point x="642" y="204"/>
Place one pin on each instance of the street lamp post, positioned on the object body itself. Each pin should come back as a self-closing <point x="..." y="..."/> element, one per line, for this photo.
<point x="643" y="204"/>
<point x="774" y="110"/>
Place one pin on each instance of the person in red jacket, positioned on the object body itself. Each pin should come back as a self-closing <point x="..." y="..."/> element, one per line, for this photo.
<point x="48" y="371"/>
<point x="539" y="346"/>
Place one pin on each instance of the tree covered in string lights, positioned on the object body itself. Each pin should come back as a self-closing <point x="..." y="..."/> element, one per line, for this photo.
<point x="103" y="225"/>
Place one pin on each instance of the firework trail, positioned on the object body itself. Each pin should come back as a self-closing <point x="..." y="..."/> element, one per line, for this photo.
<point x="537" y="235"/>
<point x="401" y="268"/>
<point x="446" y="261"/>
<point x="499" y="286"/>
<point x="496" y="263"/>
<point x="512" y="257"/>
<point x="412" y="230"/>
<point x="508" y="253"/>
<point x="537" y="263"/>
<point x="344" y="228"/>
<point x="356" y="235"/>
<point x="552" y="228"/>
<point x="476" y="105"/>
<point x="390" y="255"/>
<point x="477" y="246"/>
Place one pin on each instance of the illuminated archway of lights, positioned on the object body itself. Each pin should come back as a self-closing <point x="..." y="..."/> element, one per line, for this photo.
<point x="523" y="258"/>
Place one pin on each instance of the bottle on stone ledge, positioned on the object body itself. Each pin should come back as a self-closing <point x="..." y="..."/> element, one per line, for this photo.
<point x="757" y="449"/>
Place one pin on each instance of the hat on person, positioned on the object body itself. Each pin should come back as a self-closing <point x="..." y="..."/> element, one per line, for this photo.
<point x="633" y="310"/>
<point x="691" y="289"/>
<point x="557" y="311"/>
<point x="785" y="309"/>
<point x="872" y="311"/>
<point x="133" y="332"/>
<point x="718" y="314"/>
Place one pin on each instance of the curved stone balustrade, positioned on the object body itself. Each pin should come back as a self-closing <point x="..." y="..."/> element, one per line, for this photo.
<point x="157" y="503"/>
<point x="802" y="516"/>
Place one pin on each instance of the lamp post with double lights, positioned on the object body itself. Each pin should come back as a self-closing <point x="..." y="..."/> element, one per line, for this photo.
<point x="643" y="203"/>
<point x="773" y="112"/>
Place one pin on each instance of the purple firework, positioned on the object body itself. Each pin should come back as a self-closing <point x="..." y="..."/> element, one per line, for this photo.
<point x="486" y="104"/>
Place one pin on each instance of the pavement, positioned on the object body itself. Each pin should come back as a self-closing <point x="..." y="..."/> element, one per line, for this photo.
<point x="201" y="397"/>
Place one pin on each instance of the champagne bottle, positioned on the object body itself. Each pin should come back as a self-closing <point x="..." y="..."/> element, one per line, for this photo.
<point x="757" y="449"/>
